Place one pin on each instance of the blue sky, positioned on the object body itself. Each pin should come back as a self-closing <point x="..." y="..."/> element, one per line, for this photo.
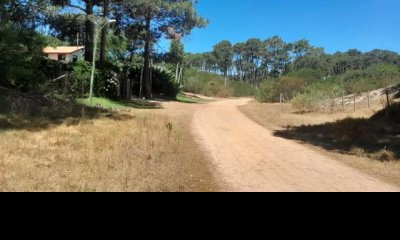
<point x="336" y="25"/>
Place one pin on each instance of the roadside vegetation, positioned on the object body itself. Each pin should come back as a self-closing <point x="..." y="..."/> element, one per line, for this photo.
<point x="212" y="85"/>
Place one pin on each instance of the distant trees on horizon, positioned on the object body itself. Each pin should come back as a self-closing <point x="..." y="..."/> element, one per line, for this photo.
<point x="256" y="60"/>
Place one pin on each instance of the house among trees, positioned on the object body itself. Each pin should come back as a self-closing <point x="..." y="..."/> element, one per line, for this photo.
<point x="65" y="54"/>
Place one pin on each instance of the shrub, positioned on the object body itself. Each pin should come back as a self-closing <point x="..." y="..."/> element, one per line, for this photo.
<point x="108" y="80"/>
<point x="290" y="86"/>
<point x="242" y="89"/>
<point x="271" y="90"/>
<point x="267" y="92"/>
<point x="217" y="89"/>
<point x="374" y="77"/>
<point x="319" y="96"/>
<point x="80" y="78"/>
<point x="205" y="83"/>
<point x="309" y="75"/>
<point x="213" y="85"/>
<point x="164" y="83"/>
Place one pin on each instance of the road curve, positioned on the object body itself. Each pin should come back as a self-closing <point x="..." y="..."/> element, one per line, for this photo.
<point x="248" y="158"/>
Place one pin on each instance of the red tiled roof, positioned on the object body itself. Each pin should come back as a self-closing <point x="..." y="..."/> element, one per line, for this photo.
<point x="62" y="50"/>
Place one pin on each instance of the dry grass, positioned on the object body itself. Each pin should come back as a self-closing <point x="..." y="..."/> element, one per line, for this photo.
<point x="279" y="116"/>
<point x="139" y="150"/>
<point x="320" y="131"/>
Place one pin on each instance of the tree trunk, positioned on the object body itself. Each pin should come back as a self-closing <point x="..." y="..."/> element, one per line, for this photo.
<point x="128" y="95"/>
<point x="255" y="77"/>
<point x="181" y="77"/>
<point x="89" y="25"/>
<point x="177" y="74"/>
<point x="146" y="71"/>
<point x="226" y="78"/>
<point x="151" y="79"/>
<point x="141" y="83"/>
<point x="103" y="50"/>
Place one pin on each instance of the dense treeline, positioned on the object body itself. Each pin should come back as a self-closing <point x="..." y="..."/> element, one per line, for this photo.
<point x="257" y="60"/>
<point x="127" y="60"/>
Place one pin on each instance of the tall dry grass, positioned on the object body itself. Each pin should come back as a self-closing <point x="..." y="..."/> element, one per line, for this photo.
<point x="276" y="116"/>
<point x="136" y="151"/>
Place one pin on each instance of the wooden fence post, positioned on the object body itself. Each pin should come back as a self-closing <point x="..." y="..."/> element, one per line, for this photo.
<point x="387" y="98"/>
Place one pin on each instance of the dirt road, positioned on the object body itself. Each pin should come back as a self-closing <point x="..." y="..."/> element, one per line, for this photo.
<point x="247" y="157"/>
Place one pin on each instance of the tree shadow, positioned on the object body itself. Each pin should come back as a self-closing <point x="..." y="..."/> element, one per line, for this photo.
<point x="69" y="115"/>
<point x="396" y="96"/>
<point x="141" y="104"/>
<point x="377" y="138"/>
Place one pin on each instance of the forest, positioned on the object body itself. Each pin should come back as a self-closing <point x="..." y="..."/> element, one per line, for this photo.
<point x="299" y="71"/>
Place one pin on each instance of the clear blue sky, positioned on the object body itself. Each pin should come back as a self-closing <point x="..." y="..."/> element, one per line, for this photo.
<point x="336" y="25"/>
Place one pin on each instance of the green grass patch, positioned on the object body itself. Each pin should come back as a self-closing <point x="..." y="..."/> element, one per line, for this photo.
<point x="187" y="99"/>
<point x="117" y="105"/>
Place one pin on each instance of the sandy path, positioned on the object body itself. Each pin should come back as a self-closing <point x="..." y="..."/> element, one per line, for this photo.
<point x="249" y="158"/>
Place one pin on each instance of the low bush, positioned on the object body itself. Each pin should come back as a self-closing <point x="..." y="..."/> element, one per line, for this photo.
<point x="213" y="85"/>
<point x="267" y="92"/>
<point x="309" y="75"/>
<point x="319" y="96"/>
<point x="242" y="89"/>
<point x="271" y="90"/>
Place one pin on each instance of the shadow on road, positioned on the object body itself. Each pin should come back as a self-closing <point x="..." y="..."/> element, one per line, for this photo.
<point x="377" y="138"/>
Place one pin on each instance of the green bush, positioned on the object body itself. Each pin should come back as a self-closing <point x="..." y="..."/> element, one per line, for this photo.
<point x="204" y="83"/>
<point x="213" y="85"/>
<point x="310" y="90"/>
<point x="309" y="75"/>
<point x="80" y="78"/>
<point x="164" y="83"/>
<point x="216" y="89"/>
<point x="374" y="77"/>
<point x="319" y="96"/>
<point x="241" y="89"/>
<point x="267" y="92"/>
<point x="108" y="80"/>
<point x="271" y="90"/>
